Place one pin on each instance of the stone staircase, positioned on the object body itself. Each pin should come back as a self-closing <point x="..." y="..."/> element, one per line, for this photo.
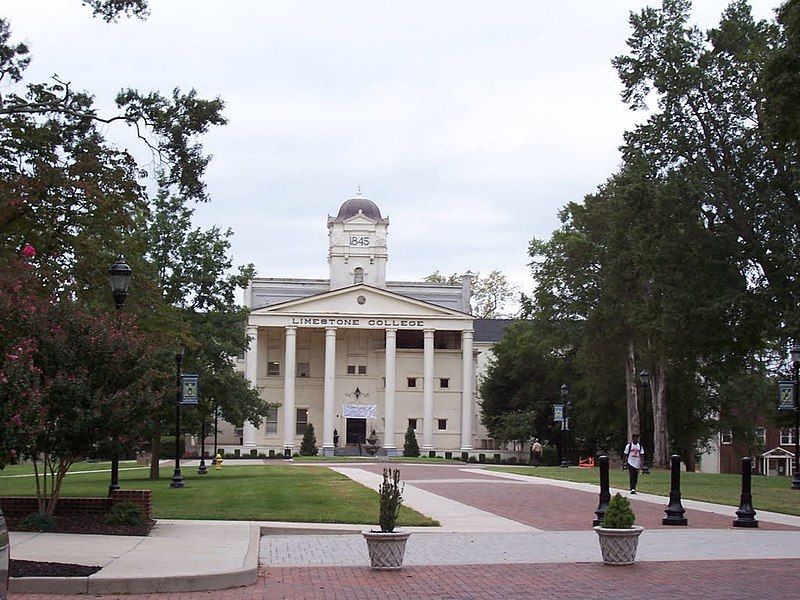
<point x="353" y="450"/>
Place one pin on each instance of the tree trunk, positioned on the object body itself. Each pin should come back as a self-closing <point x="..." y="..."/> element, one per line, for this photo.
<point x="631" y="391"/>
<point x="658" y="392"/>
<point x="155" y="449"/>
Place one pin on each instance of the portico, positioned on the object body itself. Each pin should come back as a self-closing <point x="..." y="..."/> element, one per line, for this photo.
<point x="364" y="351"/>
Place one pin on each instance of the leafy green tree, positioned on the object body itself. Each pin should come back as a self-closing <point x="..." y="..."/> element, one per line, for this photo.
<point x="410" y="445"/>
<point x="492" y="295"/>
<point x="69" y="381"/>
<point x="517" y="428"/>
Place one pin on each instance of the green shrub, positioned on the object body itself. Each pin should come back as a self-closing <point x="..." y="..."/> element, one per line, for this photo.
<point x="391" y="497"/>
<point x="125" y="513"/>
<point x="168" y="446"/>
<point x="472" y="459"/>
<point x="37" y="522"/>
<point x="619" y="514"/>
<point x="308" y="447"/>
<point x="549" y="456"/>
<point x="410" y="445"/>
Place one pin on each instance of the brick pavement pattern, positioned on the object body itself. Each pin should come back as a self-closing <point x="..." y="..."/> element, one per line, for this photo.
<point x="545" y="507"/>
<point x="732" y="580"/>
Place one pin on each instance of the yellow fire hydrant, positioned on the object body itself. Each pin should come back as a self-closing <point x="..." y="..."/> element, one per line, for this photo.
<point x="218" y="462"/>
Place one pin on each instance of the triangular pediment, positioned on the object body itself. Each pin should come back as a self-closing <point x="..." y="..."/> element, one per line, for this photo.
<point x="361" y="299"/>
<point x="359" y="219"/>
<point x="778" y="452"/>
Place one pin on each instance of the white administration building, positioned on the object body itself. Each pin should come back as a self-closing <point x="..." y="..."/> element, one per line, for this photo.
<point x="356" y="352"/>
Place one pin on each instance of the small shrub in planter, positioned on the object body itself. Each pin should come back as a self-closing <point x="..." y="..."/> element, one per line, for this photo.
<point x="431" y="453"/>
<point x="254" y="453"/>
<point x="37" y="522"/>
<point x="272" y="453"/>
<point x="448" y="455"/>
<point x="618" y="535"/>
<point x="125" y="513"/>
<point x="237" y="453"/>
<point x="387" y="546"/>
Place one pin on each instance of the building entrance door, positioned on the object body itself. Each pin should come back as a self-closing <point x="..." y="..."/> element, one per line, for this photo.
<point x="356" y="431"/>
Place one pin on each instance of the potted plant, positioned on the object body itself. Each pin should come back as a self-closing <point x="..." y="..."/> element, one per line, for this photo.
<point x="387" y="546"/>
<point x="618" y="535"/>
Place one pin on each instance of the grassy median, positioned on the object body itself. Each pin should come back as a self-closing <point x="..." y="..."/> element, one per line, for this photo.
<point x="250" y="493"/>
<point x="769" y="493"/>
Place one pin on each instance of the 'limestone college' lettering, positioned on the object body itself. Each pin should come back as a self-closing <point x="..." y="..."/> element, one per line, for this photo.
<point x="358" y="322"/>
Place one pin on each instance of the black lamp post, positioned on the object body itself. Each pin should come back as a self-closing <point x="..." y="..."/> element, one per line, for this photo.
<point x="795" y="354"/>
<point x="216" y="429"/>
<point x="119" y="278"/>
<point x="177" y="478"/>
<point x="202" y="469"/>
<point x="644" y="377"/>
<point x="565" y="426"/>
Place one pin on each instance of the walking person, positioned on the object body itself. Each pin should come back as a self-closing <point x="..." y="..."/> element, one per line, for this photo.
<point x="633" y="456"/>
<point x="536" y="452"/>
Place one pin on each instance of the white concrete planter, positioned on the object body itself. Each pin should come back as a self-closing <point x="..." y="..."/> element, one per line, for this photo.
<point x="386" y="550"/>
<point x="619" y="545"/>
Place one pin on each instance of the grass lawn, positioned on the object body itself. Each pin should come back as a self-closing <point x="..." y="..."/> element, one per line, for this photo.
<point x="769" y="493"/>
<point x="247" y="493"/>
<point x="27" y="469"/>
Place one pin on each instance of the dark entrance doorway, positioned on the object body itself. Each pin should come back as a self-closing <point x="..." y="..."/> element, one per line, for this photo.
<point x="356" y="431"/>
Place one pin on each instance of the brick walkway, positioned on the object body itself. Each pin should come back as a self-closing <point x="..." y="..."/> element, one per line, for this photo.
<point x="732" y="580"/>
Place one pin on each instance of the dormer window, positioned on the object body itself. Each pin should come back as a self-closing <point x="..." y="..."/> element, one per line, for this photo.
<point x="358" y="275"/>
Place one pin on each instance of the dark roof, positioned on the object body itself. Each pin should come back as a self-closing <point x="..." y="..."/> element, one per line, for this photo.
<point x="490" y="330"/>
<point x="352" y="206"/>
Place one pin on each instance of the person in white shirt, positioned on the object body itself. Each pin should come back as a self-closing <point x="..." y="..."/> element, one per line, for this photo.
<point x="633" y="455"/>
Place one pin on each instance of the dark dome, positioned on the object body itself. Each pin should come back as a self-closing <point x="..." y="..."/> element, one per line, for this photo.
<point x="352" y="206"/>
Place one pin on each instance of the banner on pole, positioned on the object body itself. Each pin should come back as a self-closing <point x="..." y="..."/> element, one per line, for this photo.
<point x="786" y="395"/>
<point x="189" y="388"/>
<point x="558" y="413"/>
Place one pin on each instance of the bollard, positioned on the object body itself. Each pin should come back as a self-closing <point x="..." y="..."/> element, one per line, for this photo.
<point x="218" y="462"/>
<point x="605" y="494"/>
<point x="745" y="516"/>
<point x="675" y="509"/>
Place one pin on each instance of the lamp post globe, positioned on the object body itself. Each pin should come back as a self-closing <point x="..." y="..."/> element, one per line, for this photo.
<point x="795" y="356"/>
<point x="119" y="278"/>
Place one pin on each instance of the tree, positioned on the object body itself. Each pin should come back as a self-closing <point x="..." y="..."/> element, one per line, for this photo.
<point x="410" y="445"/>
<point x="492" y="295"/>
<point x="70" y="381"/>
<point x="308" y="447"/>
<point x="517" y="428"/>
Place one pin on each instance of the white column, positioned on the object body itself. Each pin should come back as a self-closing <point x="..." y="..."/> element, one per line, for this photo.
<point x="290" y="365"/>
<point x="389" y="395"/>
<point x="467" y="382"/>
<point x="330" y="391"/>
<point x="251" y="373"/>
<point x="427" y="402"/>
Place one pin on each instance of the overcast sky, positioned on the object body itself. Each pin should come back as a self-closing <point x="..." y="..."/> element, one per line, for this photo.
<point x="469" y="123"/>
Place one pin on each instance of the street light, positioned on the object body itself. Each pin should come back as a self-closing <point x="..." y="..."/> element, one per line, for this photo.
<point x="565" y="424"/>
<point x="795" y="355"/>
<point x="177" y="478"/>
<point x="119" y="278"/>
<point x="644" y="377"/>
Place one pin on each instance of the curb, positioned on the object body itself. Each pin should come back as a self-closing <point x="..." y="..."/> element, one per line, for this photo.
<point x="97" y="584"/>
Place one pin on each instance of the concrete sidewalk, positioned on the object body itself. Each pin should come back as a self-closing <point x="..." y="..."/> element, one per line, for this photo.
<point x="176" y="556"/>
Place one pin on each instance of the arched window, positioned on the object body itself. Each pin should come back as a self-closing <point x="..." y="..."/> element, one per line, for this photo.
<point x="358" y="275"/>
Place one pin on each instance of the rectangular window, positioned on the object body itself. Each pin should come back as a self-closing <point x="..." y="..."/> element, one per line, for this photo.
<point x="351" y="369"/>
<point x="301" y="420"/>
<point x="362" y="369"/>
<point x="383" y="382"/>
<point x="727" y="436"/>
<point x="273" y="368"/>
<point x="444" y="382"/>
<point x="412" y="382"/>
<point x="271" y="420"/>
<point x="303" y="369"/>
<point x="787" y="437"/>
<point x="238" y="431"/>
<point x="442" y="424"/>
<point x="413" y="424"/>
<point x="761" y="435"/>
